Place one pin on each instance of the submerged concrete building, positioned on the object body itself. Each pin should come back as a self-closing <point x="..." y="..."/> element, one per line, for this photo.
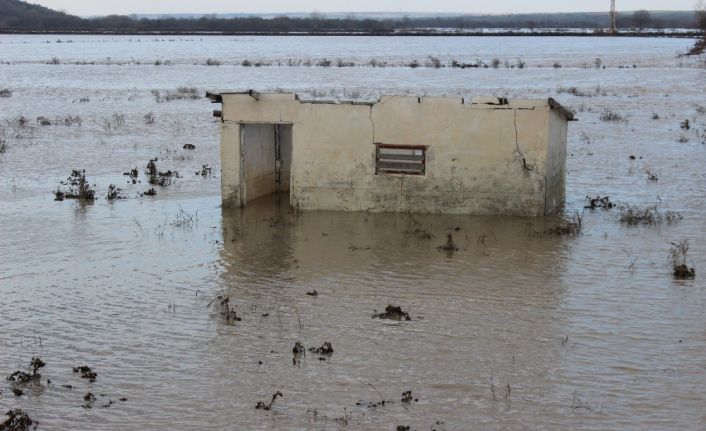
<point x="450" y="155"/>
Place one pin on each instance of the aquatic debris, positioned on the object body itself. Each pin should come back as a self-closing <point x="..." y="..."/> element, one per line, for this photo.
<point x="35" y="364"/>
<point x="224" y="303"/>
<point x="677" y="257"/>
<point x="43" y="121"/>
<point x="150" y="192"/>
<point x="685" y="125"/>
<point x="652" y="176"/>
<point x="133" y="174"/>
<point x="79" y="188"/>
<point x="567" y="227"/>
<point x="5" y="93"/>
<point x="17" y="392"/>
<point x="450" y="245"/>
<point x="86" y="373"/>
<point x="205" y="171"/>
<point x="325" y="349"/>
<point x="297" y="352"/>
<point x="598" y="202"/>
<point x="149" y="118"/>
<point x="403" y="428"/>
<point x="157" y="178"/>
<point x="89" y="399"/>
<point x="17" y="420"/>
<point x="19" y="376"/>
<point x="189" y="146"/>
<point x="262" y="406"/>
<point x="371" y="404"/>
<point x="312" y="293"/>
<point x="419" y="233"/>
<point x="393" y="313"/>
<point x="114" y="193"/>
<point x="22" y="377"/>
<point x="683" y="272"/>
<point x="407" y="397"/>
<point x="298" y="348"/>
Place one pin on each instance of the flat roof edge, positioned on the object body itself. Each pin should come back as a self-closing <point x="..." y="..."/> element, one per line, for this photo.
<point x="218" y="98"/>
<point x="553" y="104"/>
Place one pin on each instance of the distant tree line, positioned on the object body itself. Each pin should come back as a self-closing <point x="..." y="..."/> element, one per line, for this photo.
<point x="20" y="16"/>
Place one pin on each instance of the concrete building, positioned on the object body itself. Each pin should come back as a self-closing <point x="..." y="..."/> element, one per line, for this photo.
<point x="399" y="154"/>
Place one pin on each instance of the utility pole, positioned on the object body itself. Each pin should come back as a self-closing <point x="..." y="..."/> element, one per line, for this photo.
<point x="613" y="18"/>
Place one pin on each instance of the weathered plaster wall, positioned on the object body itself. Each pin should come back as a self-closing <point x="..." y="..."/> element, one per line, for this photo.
<point x="556" y="162"/>
<point x="285" y="137"/>
<point x="230" y="163"/>
<point x="258" y="167"/>
<point x="481" y="159"/>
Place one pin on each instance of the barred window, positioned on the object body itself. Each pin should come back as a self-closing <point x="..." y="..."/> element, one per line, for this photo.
<point x="400" y="159"/>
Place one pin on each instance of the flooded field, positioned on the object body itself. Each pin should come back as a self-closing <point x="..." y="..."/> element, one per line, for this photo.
<point x="189" y="314"/>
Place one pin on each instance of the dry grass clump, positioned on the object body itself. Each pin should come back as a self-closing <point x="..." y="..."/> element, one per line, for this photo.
<point x="677" y="257"/>
<point x="157" y="178"/>
<point x="181" y="93"/>
<point x="571" y="227"/>
<point x="574" y="91"/>
<point x="114" y="193"/>
<point x="612" y="116"/>
<point x="598" y="202"/>
<point x="634" y="216"/>
<point x="17" y="420"/>
<point x="79" y="188"/>
<point x="698" y="48"/>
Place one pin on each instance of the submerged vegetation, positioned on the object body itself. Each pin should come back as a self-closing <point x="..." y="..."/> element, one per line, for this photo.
<point x="17" y="420"/>
<point x="159" y="178"/>
<point x="569" y="226"/>
<point x="78" y="188"/>
<point x="634" y="216"/>
<point x="677" y="258"/>
<point x="181" y="93"/>
<point x="392" y="312"/>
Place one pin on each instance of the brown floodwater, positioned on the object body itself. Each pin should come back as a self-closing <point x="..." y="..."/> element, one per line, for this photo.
<point x="517" y="329"/>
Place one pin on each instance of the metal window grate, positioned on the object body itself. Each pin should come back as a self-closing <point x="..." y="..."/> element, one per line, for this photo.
<point x="400" y="159"/>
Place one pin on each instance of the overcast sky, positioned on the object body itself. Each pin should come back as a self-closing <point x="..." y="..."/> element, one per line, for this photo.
<point x="104" y="7"/>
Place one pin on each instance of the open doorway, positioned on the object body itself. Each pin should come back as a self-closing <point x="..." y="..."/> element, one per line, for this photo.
<point x="266" y="160"/>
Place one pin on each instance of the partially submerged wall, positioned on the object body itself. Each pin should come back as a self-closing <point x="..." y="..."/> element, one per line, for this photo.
<point x="259" y="167"/>
<point x="482" y="158"/>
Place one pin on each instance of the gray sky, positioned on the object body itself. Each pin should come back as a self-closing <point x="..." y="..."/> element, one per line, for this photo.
<point x="104" y="7"/>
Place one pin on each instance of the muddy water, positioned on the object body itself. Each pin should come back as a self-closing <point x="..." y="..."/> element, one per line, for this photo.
<point x="588" y="332"/>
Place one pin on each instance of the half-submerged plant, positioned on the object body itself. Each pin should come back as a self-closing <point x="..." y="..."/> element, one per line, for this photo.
<point x="677" y="257"/>
<point x="79" y="188"/>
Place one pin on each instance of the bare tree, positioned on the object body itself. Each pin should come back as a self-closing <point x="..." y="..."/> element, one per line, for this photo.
<point x="641" y="18"/>
<point x="700" y="11"/>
